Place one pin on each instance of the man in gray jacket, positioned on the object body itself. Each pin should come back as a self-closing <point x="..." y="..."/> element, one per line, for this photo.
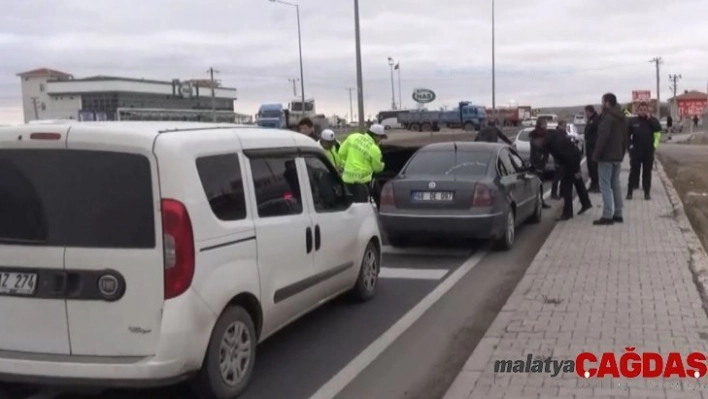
<point x="611" y="145"/>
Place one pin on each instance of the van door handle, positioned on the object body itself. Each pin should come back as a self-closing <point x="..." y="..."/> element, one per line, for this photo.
<point x="317" y="238"/>
<point x="308" y="239"/>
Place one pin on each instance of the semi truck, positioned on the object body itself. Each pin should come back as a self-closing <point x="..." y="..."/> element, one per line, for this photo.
<point x="465" y="116"/>
<point x="275" y="115"/>
<point x="510" y="116"/>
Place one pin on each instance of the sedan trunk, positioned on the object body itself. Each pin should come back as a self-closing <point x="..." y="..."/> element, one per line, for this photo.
<point x="433" y="192"/>
<point x="394" y="158"/>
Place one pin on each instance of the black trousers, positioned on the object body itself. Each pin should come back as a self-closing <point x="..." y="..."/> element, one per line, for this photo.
<point x="541" y="176"/>
<point x="641" y="161"/>
<point x="568" y="181"/>
<point x="592" y="167"/>
<point x="359" y="191"/>
<point x="557" y="176"/>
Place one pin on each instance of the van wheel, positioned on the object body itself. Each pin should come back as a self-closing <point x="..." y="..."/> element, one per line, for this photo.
<point x="368" y="279"/>
<point x="506" y="241"/>
<point x="230" y="356"/>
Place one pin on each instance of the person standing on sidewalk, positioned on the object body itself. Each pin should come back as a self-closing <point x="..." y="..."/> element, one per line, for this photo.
<point x="644" y="136"/>
<point x="612" y="143"/>
<point x="558" y="173"/>
<point x="590" y="135"/>
<point x="568" y="156"/>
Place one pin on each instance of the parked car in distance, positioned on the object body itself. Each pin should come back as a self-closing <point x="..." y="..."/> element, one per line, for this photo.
<point x="528" y="122"/>
<point x="579" y="119"/>
<point x="462" y="190"/>
<point x="126" y="274"/>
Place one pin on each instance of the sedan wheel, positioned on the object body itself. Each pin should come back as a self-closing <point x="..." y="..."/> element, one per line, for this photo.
<point x="538" y="209"/>
<point x="506" y="241"/>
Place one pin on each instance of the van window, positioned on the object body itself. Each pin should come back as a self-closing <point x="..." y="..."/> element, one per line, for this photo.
<point x="277" y="186"/>
<point x="72" y="198"/>
<point x="223" y="185"/>
<point x="326" y="186"/>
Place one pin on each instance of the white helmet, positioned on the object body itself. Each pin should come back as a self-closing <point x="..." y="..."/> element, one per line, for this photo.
<point x="378" y="130"/>
<point x="327" y="135"/>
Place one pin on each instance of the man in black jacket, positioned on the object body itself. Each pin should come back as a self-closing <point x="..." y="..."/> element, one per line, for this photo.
<point x="491" y="134"/>
<point x="558" y="173"/>
<point x="568" y="157"/>
<point x="537" y="157"/>
<point x="590" y="134"/>
<point x="644" y="135"/>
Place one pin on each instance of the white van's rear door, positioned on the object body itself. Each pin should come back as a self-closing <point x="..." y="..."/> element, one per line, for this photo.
<point x="114" y="306"/>
<point x="32" y="280"/>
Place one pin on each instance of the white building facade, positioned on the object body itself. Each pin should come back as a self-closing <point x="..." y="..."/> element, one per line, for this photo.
<point x="51" y="94"/>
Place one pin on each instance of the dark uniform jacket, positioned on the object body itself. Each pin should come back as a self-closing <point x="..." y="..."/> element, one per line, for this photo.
<point x="641" y="134"/>
<point x="590" y="132"/>
<point x="561" y="147"/>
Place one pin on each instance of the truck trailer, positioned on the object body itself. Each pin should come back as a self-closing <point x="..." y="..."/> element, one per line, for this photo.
<point x="465" y="116"/>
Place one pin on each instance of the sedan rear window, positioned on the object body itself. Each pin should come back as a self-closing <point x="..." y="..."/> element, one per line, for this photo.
<point x="71" y="198"/>
<point x="446" y="163"/>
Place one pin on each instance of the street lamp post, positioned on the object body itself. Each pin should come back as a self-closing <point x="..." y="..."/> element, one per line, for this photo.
<point x="359" y="75"/>
<point x="393" y="90"/>
<point x="494" y="83"/>
<point x="299" y="44"/>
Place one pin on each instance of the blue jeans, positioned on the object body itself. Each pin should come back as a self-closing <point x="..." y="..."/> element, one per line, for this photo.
<point x="609" y="174"/>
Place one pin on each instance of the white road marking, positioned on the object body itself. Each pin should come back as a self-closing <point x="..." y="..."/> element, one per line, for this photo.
<point x="412" y="274"/>
<point x="423" y="251"/>
<point x="346" y="375"/>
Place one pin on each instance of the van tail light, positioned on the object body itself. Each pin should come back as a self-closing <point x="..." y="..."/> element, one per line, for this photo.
<point x="482" y="196"/>
<point x="178" y="243"/>
<point x="45" y="136"/>
<point x="387" y="195"/>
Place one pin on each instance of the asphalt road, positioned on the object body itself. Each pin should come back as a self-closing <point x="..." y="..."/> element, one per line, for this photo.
<point x="331" y="349"/>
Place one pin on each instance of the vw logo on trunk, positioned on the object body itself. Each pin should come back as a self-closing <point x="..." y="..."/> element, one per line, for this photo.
<point x="431" y="185"/>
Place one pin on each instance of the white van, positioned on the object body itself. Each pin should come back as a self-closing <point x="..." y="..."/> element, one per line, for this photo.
<point x="145" y="253"/>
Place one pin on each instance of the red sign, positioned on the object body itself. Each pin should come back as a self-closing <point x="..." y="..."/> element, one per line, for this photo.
<point x="641" y="95"/>
<point x="691" y="107"/>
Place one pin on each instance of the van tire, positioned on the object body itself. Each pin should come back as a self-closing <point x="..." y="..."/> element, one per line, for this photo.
<point x="369" y="269"/>
<point x="209" y="383"/>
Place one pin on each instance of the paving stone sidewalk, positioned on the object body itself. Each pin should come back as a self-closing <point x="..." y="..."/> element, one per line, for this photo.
<point x="598" y="289"/>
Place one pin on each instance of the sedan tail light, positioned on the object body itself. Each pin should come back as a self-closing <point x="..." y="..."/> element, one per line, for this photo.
<point x="482" y="196"/>
<point x="387" y="194"/>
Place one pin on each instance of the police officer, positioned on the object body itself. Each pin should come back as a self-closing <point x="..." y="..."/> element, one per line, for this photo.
<point x="644" y="137"/>
<point x="538" y="158"/>
<point x="491" y="134"/>
<point x="590" y="134"/>
<point x="568" y="156"/>
<point x="329" y="143"/>
<point x="361" y="156"/>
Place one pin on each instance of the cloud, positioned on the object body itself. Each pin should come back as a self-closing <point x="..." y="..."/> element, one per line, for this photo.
<point x="547" y="52"/>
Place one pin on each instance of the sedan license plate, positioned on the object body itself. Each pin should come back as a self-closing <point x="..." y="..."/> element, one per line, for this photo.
<point x="16" y="283"/>
<point x="441" y="196"/>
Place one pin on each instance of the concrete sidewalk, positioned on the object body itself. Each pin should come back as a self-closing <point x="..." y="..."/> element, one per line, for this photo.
<point x="601" y="289"/>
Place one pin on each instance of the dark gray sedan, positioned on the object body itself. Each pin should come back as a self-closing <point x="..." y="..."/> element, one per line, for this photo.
<point x="461" y="190"/>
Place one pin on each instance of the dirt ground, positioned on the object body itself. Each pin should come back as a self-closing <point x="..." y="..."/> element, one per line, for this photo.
<point x="686" y="165"/>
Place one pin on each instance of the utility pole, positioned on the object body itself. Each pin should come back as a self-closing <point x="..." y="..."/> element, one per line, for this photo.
<point x="658" y="61"/>
<point x="294" y="82"/>
<point x="211" y="72"/>
<point x="359" y="75"/>
<point x="400" y="99"/>
<point x="391" y="63"/>
<point x="674" y="87"/>
<point x="35" y="105"/>
<point x="351" y="107"/>
<point x="494" y="71"/>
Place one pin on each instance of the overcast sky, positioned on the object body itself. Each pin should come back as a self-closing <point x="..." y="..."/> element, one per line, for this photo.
<point x="548" y="52"/>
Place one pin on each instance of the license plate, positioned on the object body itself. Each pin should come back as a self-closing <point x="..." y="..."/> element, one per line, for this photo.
<point x="433" y="195"/>
<point x="15" y="283"/>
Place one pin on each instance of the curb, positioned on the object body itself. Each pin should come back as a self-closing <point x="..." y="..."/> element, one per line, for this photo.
<point x="698" y="263"/>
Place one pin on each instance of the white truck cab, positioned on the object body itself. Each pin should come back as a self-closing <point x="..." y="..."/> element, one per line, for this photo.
<point x="144" y="253"/>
